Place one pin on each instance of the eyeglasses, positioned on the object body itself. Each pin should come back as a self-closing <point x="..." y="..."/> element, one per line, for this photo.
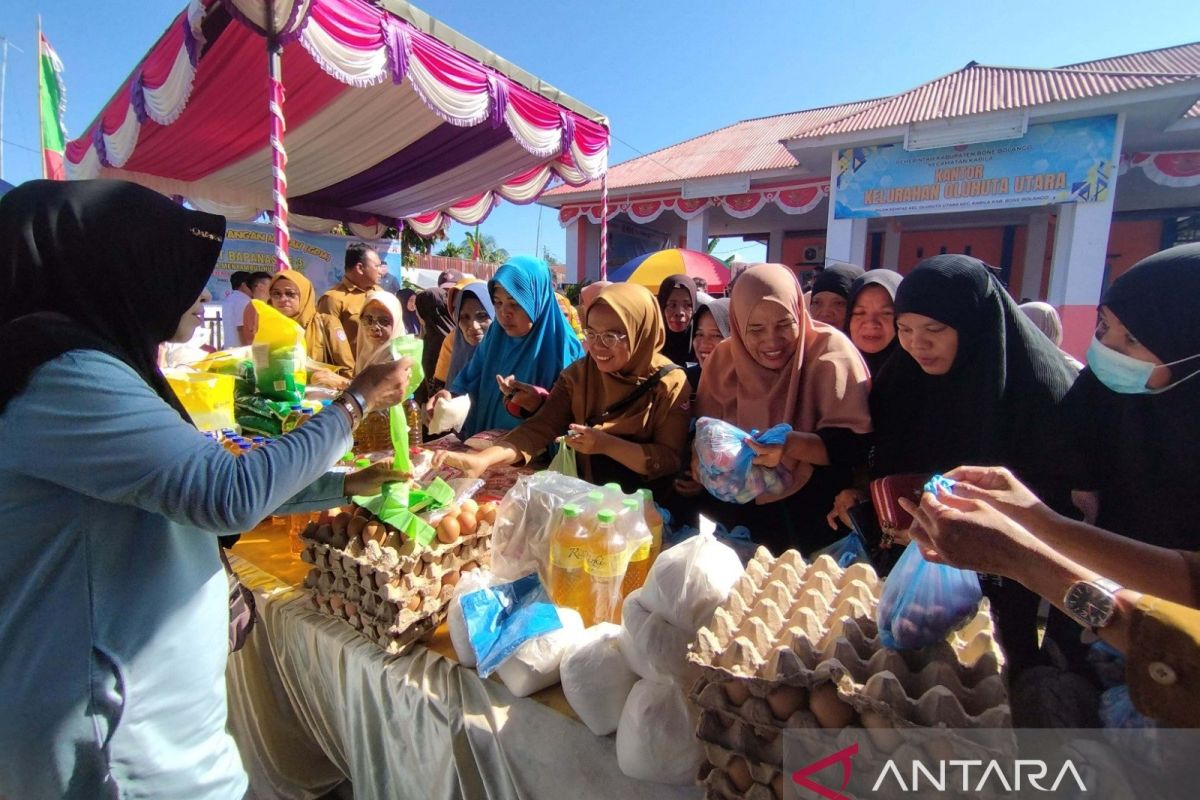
<point x="285" y="296"/>
<point x="369" y="321"/>
<point x="607" y="338"/>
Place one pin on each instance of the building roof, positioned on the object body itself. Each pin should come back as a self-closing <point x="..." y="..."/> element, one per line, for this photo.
<point x="979" y="89"/>
<point x="755" y="145"/>
<point x="752" y="145"/>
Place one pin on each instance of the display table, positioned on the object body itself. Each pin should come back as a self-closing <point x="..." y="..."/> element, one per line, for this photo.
<point x="311" y="702"/>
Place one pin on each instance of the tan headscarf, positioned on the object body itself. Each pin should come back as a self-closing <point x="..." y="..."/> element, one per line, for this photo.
<point x="324" y="338"/>
<point x="308" y="297"/>
<point x="367" y="349"/>
<point x="825" y="385"/>
<point x="638" y="311"/>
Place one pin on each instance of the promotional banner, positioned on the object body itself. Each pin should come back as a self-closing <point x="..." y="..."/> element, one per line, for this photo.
<point x="1059" y="162"/>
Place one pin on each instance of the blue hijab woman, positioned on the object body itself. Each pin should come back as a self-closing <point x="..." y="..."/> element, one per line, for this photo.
<point x="532" y="342"/>
<point x="471" y="328"/>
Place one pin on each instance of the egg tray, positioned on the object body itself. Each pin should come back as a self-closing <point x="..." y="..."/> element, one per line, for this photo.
<point x="393" y="599"/>
<point x="791" y="624"/>
<point x="727" y="775"/>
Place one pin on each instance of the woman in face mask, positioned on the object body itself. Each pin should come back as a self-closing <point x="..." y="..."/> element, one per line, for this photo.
<point x="1136" y="408"/>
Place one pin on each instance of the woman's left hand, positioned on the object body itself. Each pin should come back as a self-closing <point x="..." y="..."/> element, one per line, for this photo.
<point x="765" y="455"/>
<point x="589" y="441"/>
<point x="369" y="481"/>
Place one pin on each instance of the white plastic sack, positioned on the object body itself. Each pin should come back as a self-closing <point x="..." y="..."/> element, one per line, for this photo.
<point x="689" y="580"/>
<point x="595" y="678"/>
<point x="471" y="581"/>
<point x="535" y="664"/>
<point x="653" y="646"/>
<point x="656" y="737"/>
<point x="449" y="415"/>
<point x="521" y="535"/>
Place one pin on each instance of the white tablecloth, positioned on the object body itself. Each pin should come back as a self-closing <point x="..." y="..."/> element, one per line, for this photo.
<point x="310" y="701"/>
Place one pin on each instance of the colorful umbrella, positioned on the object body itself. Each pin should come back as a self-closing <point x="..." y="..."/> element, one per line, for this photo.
<point x="651" y="269"/>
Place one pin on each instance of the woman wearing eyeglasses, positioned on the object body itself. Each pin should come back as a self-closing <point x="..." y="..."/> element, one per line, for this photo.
<point x="622" y="407"/>
<point x="292" y="295"/>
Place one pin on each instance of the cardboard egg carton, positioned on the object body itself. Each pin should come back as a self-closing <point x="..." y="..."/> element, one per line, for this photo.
<point x="789" y="626"/>
<point x="394" y="591"/>
<point x="731" y="776"/>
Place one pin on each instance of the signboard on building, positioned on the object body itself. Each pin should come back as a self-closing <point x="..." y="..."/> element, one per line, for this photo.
<point x="1058" y="162"/>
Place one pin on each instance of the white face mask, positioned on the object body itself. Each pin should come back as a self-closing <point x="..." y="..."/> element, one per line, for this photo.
<point x="1125" y="374"/>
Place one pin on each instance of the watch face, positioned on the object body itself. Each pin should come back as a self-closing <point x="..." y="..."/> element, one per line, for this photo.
<point x="1090" y="605"/>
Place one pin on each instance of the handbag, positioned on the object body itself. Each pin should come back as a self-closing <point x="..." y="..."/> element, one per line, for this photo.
<point x="885" y="496"/>
<point x="242" y="611"/>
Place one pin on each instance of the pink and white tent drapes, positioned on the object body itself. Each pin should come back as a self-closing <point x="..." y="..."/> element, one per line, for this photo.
<point x="1180" y="168"/>
<point x="796" y="197"/>
<point x="384" y="121"/>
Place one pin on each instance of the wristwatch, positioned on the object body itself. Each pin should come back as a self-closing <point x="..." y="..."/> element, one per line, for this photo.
<point x="1092" y="603"/>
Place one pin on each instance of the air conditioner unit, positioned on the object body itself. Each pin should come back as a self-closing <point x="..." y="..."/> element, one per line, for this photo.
<point x="814" y="254"/>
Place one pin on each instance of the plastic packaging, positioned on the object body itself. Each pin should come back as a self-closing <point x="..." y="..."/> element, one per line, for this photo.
<point x="689" y="580"/>
<point x="656" y="737"/>
<point x="449" y="415"/>
<point x="280" y="358"/>
<point x="848" y="550"/>
<point x="922" y="603"/>
<point x="726" y="466"/>
<point x="654" y="521"/>
<point x="653" y="647"/>
<point x="632" y="519"/>
<point x="207" y="397"/>
<point x="596" y="679"/>
<point x="564" y="459"/>
<point x="521" y="536"/>
<point x="535" y="664"/>
<point x="471" y="581"/>
<point x="501" y="618"/>
<point x="412" y="415"/>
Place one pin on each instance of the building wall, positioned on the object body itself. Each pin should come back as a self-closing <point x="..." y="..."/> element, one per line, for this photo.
<point x="1129" y="242"/>
<point x="982" y="243"/>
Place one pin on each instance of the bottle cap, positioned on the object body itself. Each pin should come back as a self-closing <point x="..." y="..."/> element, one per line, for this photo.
<point x="259" y="439"/>
<point x="245" y="448"/>
<point x="613" y="487"/>
<point x="296" y="406"/>
<point x="570" y="510"/>
<point x="595" y="497"/>
<point x="606" y="516"/>
<point x="631" y="504"/>
<point x="646" y="494"/>
<point x="306" y="411"/>
<point x="362" y="463"/>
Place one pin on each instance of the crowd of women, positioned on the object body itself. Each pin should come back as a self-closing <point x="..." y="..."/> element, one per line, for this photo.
<point x="111" y="502"/>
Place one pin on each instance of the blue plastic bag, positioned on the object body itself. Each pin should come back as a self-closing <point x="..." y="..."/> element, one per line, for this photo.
<point x="848" y="550"/>
<point x="502" y="618"/>
<point x="726" y="466"/>
<point x="922" y="603"/>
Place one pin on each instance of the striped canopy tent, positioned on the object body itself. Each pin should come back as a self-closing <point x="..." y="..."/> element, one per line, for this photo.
<point x="337" y="111"/>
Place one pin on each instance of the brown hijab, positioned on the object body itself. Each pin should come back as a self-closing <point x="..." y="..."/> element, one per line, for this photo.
<point x="825" y="385"/>
<point x="308" y="298"/>
<point x="638" y="311"/>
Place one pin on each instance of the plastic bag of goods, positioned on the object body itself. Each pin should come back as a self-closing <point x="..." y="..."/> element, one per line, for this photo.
<point x="726" y="465"/>
<point x="502" y="617"/>
<point x="449" y="415"/>
<point x="596" y="680"/>
<point x="922" y="603"/>
<point x="535" y="665"/>
<point x="656" y="737"/>
<point x="652" y="646"/>
<point x="521" y="536"/>
<point x="689" y="580"/>
<point x="471" y="581"/>
<point x="850" y="549"/>
<point x="279" y="355"/>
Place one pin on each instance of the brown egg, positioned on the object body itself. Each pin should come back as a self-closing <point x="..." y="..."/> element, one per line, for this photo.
<point x="737" y="691"/>
<point x="324" y="533"/>
<point x="414" y="603"/>
<point x="374" y="532"/>
<point x="739" y="772"/>
<point x="309" y="531"/>
<point x="451" y="578"/>
<point x="468" y="522"/>
<point x="339" y="522"/>
<point x="340" y="540"/>
<point x="470" y="506"/>
<point x="310" y="580"/>
<point x="448" y="530"/>
<point x="786" y="700"/>
<point x="881" y="730"/>
<point x="361" y="511"/>
<point x="487" y="513"/>
<point x="355" y="528"/>
<point x="777" y="785"/>
<point x="828" y="708"/>
<point x="467" y="567"/>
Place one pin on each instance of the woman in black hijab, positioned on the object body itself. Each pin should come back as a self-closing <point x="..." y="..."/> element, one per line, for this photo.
<point x="412" y="320"/>
<point x="711" y="327"/>
<point x="973" y="383"/>
<point x="1136" y="426"/>
<point x="436" y="324"/>
<point x="677" y="299"/>
<point x="831" y="293"/>
<point x="871" y="316"/>
<point x="116" y="606"/>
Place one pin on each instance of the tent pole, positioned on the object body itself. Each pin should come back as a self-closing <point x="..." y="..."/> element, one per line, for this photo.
<point x="603" y="226"/>
<point x="278" y="153"/>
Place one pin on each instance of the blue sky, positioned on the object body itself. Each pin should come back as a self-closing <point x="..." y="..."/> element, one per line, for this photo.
<point x="662" y="70"/>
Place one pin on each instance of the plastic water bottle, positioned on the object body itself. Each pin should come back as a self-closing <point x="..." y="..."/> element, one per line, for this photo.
<point x="568" y="582"/>
<point x="607" y="558"/>
<point x="632" y="521"/>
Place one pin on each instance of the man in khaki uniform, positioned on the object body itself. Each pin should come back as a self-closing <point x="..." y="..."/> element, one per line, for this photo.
<point x="345" y="301"/>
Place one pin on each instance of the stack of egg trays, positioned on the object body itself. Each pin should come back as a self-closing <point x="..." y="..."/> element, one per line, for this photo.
<point x="393" y="590"/>
<point x="789" y="630"/>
